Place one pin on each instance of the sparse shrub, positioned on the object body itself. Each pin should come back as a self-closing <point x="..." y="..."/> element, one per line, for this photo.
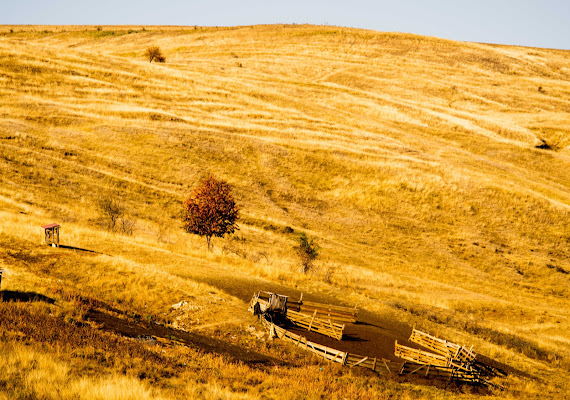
<point x="307" y="250"/>
<point x="288" y="229"/>
<point x="114" y="216"/>
<point x="161" y="233"/>
<point x="210" y="210"/>
<point x="112" y="211"/>
<point x="99" y="28"/>
<point x="128" y="226"/>
<point x="153" y="53"/>
<point x="328" y="272"/>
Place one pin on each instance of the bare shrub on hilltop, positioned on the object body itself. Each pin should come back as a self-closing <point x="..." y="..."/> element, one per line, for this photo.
<point x="153" y="53"/>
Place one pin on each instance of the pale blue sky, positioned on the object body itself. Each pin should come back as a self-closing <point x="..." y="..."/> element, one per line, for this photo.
<point x="543" y="23"/>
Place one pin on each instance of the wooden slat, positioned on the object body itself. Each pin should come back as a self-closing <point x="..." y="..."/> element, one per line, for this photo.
<point x="387" y="366"/>
<point x="359" y="362"/>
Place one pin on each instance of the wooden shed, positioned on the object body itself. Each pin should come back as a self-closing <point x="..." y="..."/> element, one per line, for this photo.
<point x="51" y="232"/>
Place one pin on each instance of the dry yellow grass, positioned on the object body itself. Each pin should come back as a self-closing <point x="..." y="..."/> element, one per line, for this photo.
<point x="413" y="160"/>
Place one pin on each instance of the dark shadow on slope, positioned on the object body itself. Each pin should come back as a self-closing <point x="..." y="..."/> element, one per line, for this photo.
<point x="352" y="338"/>
<point x="146" y="331"/>
<point x="500" y="368"/>
<point x="10" y="295"/>
<point x="79" y="249"/>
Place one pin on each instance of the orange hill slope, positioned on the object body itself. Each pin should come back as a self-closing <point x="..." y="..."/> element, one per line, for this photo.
<point x="435" y="174"/>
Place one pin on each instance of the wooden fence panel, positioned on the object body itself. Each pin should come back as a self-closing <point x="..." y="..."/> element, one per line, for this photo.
<point x="314" y="324"/>
<point x="443" y="347"/>
<point x="328" y="311"/>
<point x="420" y="356"/>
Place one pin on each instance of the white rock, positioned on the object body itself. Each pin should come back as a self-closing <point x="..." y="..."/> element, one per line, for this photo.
<point x="179" y="305"/>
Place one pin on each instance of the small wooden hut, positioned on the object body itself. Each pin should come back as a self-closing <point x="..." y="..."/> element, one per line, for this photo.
<point x="52" y="234"/>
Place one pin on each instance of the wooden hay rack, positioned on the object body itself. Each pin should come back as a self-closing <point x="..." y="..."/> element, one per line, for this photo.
<point x="263" y="302"/>
<point x="278" y="306"/>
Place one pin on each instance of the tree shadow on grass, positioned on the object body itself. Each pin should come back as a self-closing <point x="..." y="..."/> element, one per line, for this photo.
<point x="10" y="295"/>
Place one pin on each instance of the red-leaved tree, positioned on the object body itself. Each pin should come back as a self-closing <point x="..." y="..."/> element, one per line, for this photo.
<point x="210" y="210"/>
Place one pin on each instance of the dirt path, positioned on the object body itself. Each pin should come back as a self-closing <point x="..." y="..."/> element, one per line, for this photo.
<point x="373" y="335"/>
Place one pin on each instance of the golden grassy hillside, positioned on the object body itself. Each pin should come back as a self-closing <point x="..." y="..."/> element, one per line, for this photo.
<point x="434" y="174"/>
